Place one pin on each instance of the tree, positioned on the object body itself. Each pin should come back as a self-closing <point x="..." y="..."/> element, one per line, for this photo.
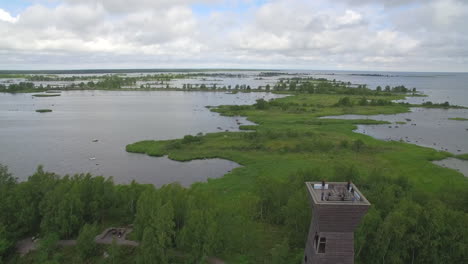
<point x="292" y="86"/>
<point x="261" y="104"/>
<point x="85" y="244"/>
<point x="7" y="209"/>
<point x="365" y="236"/>
<point x="6" y="178"/>
<point x="345" y="101"/>
<point x="280" y="253"/>
<point x="363" y="101"/>
<point x="155" y="224"/>
<point x="47" y="246"/>
<point x="114" y="253"/>
<point x="62" y="209"/>
<point x="148" y="250"/>
<point x="299" y="224"/>
<point x="5" y="242"/>
<point x="200" y="234"/>
<point x="358" y="145"/>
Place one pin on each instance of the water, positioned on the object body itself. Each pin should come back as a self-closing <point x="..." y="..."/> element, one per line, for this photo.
<point x="119" y="118"/>
<point x="439" y="87"/>
<point x="456" y="164"/>
<point x="62" y="140"/>
<point x="424" y="127"/>
<point x="433" y="129"/>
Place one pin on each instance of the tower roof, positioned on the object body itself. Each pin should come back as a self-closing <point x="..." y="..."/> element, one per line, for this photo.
<point x="336" y="193"/>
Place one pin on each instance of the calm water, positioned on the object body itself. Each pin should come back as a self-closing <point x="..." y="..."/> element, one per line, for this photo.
<point x="453" y="163"/>
<point x="425" y="127"/>
<point x="440" y="87"/>
<point x="63" y="140"/>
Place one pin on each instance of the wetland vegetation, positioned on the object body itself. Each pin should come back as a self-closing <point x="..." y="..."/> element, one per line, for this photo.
<point x="44" y="110"/>
<point x="258" y="213"/>
<point x="458" y="118"/>
<point x="46" y="95"/>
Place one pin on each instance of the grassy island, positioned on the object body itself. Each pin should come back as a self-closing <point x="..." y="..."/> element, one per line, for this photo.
<point x="458" y="119"/>
<point x="44" y="110"/>
<point x="46" y="95"/>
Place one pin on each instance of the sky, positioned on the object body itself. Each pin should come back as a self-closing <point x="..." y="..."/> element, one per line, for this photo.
<point x="368" y="35"/>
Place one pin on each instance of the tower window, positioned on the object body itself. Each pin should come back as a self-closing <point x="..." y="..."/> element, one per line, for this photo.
<point x="321" y="246"/>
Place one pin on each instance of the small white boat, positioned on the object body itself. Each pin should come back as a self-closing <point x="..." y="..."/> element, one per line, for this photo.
<point x="92" y="158"/>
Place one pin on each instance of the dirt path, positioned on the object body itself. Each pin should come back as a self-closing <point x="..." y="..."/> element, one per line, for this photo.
<point x="214" y="260"/>
<point x="26" y="245"/>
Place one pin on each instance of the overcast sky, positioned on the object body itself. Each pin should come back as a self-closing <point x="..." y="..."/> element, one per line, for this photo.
<point x="398" y="35"/>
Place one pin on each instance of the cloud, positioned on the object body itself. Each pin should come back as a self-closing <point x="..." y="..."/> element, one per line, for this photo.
<point x="361" y="34"/>
<point x="385" y="3"/>
<point x="6" y="17"/>
<point x="126" y="6"/>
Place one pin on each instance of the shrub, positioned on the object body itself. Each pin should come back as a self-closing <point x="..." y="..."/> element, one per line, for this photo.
<point x="345" y="101"/>
<point x="363" y="101"/>
<point x="189" y="139"/>
<point x="358" y="145"/>
<point x="85" y="243"/>
<point x="261" y="104"/>
<point x="344" y="143"/>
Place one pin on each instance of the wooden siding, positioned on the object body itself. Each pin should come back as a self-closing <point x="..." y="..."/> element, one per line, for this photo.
<point x="336" y="222"/>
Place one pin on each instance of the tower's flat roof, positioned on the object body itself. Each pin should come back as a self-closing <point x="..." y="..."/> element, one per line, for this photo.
<point x="336" y="193"/>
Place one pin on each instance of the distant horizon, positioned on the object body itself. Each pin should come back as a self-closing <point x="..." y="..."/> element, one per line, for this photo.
<point x="183" y="69"/>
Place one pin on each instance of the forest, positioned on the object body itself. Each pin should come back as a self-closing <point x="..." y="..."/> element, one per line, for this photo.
<point x="260" y="212"/>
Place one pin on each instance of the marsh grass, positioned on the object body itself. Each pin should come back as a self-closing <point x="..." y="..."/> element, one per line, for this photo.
<point x="44" y="110"/>
<point x="458" y="118"/>
<point x="285" y="141"/>
<point x="46" y="95"/>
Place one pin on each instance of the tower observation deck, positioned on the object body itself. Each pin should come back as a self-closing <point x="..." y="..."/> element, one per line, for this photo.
<point x="337" y="209"/>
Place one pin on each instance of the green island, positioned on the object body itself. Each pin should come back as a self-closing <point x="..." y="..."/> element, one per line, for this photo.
<point x="458" y="119"/>
<point x="257" y="213"/>
<point x="46" y="95"/>
<point x="44" y="110"/>
<point x="12" y="75"/>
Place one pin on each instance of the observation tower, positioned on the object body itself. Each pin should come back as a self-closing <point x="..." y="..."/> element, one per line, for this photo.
<point x="337" y="209"/>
